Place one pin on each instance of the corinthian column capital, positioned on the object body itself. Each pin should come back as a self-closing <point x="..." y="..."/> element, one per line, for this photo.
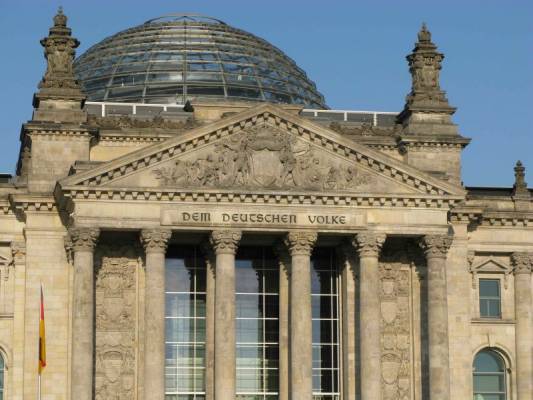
<point x="522" y="263"/>
<point x="300" y="242"/>
<point x="225" y="241"/>
<point x="84" y="239"/>
<point x="369" y="244"/>
<point x="155" y="240"/>
<point x="436" y="246"/>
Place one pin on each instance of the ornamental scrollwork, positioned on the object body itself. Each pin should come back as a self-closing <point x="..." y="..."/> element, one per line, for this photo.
<point x="18" y="252"/>
<point x="263" y="157"/>
<point x="300" y="242"/>
<point x="225" y="241"/>
<point x="436" y="246"/>
<point x="155" y="240"/>
<point x="522" y="263"/>
<point x="84" y="239"/>
<point x="369" y="243"/>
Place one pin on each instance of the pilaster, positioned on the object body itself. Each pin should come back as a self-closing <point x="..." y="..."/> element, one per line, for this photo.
<point x="436" y="249"/>
<point x="523" y="263"/>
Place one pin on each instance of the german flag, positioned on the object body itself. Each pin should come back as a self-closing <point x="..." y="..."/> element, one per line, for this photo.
<point x="42" y="336"/>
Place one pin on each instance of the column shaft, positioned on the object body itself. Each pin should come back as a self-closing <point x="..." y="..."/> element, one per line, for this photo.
<point x="84" y="241"/>
<point x="225" y="246"/>
<point x="300" y="245"/>
<point x="369" y="245"/>
<point x="348" y="327"/>
<point x="523" y="328"/>
<point x="155" y="243"/>
<point x="284" y="330"/>
<point x="436" y="248"/>
<point x="210" y="329"/>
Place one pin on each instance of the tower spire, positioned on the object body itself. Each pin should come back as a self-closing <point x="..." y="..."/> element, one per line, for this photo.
<point x="520" y="185"/>
<point x="426" y="95"/>
<point x="58" y="82"/>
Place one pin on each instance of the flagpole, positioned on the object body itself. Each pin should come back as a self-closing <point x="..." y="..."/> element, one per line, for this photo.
<point x="39" y="392"/>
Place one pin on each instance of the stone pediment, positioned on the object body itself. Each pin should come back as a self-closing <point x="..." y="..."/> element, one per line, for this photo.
<point x="261" y="149"/>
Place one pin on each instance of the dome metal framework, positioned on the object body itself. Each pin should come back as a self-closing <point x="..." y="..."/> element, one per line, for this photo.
<point x="182" y="57"/>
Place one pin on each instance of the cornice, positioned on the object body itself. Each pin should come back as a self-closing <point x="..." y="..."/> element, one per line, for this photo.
<point x="507" y="219"/>
<point x="33" y="203"/>
<point x="236" y="197"/>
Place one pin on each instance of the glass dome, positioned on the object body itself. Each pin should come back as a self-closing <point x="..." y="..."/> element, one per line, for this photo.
<point x="183" y="57"/>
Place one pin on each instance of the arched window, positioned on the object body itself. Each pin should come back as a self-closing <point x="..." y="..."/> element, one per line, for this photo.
<point x="489" y="376"/>
<point x="2" y="368"/>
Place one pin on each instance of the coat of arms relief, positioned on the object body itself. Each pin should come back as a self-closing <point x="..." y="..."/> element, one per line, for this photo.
<point x="263" y="157"/>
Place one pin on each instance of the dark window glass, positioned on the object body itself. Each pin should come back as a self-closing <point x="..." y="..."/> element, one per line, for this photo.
<point x="489" y="298"/>
<point x="489" y="376"/>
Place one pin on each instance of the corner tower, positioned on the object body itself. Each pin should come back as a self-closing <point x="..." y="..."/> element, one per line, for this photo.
<point x="429" y="138"/>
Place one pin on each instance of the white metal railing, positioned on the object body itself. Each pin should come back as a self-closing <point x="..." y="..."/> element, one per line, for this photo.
<point x="105" y="106"/>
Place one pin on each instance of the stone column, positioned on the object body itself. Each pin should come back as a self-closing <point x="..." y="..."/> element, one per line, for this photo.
<point x="523" y="330"/>
<point x="155" y="244"/>
<point x="83" y="243"/>
<point x="368" y="245"/>
<point x="284" y="307"/>
<point x="224" y="243"/>
<point x="300" y="245"/>
<point x="436" y="249"/>
<point x="348" y="265"/>
<point x="210" y="289"/>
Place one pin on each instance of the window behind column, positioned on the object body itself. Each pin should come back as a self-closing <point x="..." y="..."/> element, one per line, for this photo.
<point x="257" y="312"/>
<point x="185" y="324"/>
<point x="325" y="303"/>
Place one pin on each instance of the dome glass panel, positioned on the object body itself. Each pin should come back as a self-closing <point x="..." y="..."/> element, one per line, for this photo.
<point x="183" y="57"/>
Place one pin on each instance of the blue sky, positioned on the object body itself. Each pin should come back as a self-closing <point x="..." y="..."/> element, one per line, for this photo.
<point x="354" y="51"/>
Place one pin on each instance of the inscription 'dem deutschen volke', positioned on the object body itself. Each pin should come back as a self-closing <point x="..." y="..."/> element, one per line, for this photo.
<point x="262" y="218"/>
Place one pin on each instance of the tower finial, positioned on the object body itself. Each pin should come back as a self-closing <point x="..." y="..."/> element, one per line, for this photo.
<point x="58" y="82"/>
<point x="426" y="95"/>
<point x="60" y="19"/>
<point x="424" y="36"/>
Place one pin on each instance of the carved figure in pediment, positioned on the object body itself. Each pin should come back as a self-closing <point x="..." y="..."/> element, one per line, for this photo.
<point x="263" y="158"/>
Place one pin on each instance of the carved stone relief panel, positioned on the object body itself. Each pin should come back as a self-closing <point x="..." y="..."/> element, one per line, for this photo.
<point x="7" y="279"/>
<point x="396" y="326"/>
<point x="116" y="323"/>
<point x="264" y="157"/>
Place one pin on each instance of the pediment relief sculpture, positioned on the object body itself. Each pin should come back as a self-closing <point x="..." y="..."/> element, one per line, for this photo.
<point x="263" y="157"/>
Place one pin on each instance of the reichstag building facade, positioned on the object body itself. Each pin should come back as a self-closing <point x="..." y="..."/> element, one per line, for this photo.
<point x="205" y="227"/>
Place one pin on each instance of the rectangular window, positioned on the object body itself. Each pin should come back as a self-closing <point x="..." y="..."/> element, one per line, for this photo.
<point x="325" y="313"/>
<point x="257" y="312"/>
<point x="185" y="324"/>
<point x="489" y="298"/>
